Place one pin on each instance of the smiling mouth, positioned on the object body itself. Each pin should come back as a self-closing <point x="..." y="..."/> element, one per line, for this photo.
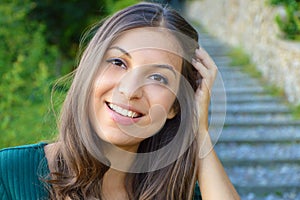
<point x="123" y="112"/>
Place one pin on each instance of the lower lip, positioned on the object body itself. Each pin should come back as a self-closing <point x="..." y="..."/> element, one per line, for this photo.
<point x="120" y="119"/>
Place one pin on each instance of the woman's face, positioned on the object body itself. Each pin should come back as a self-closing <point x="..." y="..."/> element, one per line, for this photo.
<point x="136" y="87"/>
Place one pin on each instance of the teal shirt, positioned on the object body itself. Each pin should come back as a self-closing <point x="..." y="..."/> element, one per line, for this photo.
<point x="22" y="170"/>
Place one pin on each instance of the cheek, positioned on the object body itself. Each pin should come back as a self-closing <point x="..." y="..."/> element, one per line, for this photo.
<point x="164" y="97"/>
<point x="106" y="80"/>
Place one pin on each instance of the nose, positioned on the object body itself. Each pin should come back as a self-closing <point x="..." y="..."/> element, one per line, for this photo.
<point x="131" y="85"/>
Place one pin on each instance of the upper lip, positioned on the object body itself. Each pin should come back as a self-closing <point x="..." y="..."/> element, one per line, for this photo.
<point x="127" y="107"/>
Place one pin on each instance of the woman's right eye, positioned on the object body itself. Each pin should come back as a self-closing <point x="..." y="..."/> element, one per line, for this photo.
<point x="117" y="62"/>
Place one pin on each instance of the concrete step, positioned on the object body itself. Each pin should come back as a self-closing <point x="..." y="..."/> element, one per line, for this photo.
<point x="253" y="90"/>
<point x="257" y="122"/>
<point x="233" y="69"/>
<point x="226" y="71"/>
<point x="260" y="117"/>
<point x="213" y="52"/>
<point x="250" y="108"/>
<point x="206" y="40"/>
<point x="206" y="37"/>
<point x="222" y="59"/>
<point x="268" y="177"/>
<point x="243" y="90"/>
<point x="236" y="76"/>
<point x="207" y="44"/>
<point x="240" y="82"/>
<point x="228" y="68"/>
<point x="248" y="122"/>
<point x="247" y="98"/>
<point x="222" y="63"/>
<point x="227" y="84"/>
<point x="278" y="194"/>
<point x="238" y="154"/>
<point x="282" y="134"/>
<point x="229" y="74"/>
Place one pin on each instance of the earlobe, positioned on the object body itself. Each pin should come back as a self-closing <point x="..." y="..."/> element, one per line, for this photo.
<point x="171" y="114"/>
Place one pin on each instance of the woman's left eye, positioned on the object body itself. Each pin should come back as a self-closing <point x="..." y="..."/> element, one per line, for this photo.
<point x="159" y="78"/>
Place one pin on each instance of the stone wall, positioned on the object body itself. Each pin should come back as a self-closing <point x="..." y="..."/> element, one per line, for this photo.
<point x="250" y="24"/>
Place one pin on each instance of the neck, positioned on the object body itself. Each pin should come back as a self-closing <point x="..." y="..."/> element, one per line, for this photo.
<point x="118" y="177"/>
<point x="120" y="159"/>
<point x="114" y="185"/>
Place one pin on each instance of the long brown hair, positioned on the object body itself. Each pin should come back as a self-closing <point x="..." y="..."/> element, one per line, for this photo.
<point x="79" y="164"/>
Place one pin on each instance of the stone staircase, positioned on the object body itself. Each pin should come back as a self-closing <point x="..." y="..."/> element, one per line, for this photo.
<point x="260" y="142"/>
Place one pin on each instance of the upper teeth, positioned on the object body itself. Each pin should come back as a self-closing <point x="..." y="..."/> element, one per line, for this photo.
<point x="124" y="112"/>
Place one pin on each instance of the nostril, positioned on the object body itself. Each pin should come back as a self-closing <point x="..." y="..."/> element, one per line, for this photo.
<point x="131" y="84"/>
<point x="130" y="92"/>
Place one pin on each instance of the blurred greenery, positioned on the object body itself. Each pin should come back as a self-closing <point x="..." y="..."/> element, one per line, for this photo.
<point x="38" y="44"/>
<point x="290" y="23"/>
<point x="242" y="59"/>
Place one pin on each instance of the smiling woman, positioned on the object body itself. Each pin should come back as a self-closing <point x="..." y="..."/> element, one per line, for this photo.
<point x="130" y="125"/>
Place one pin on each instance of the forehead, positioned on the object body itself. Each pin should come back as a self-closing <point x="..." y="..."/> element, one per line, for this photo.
<point x="149" y="38"/>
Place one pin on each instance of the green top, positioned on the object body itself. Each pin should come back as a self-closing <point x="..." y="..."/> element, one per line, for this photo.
<point x="22" y="170"/>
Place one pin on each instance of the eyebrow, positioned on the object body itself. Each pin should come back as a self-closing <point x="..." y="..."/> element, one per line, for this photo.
<point x="120" y="49"/>
<point x="164" y="66"/>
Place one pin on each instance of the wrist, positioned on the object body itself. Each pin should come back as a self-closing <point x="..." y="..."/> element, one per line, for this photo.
<point x="205" y="145"/>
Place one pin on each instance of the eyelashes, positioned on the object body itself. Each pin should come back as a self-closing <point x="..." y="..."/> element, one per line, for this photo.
<point x="117" y="62"/>
<point x="157" y="77"/>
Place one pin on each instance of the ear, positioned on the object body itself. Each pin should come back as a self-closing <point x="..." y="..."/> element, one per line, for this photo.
<point x="171" y="113"/>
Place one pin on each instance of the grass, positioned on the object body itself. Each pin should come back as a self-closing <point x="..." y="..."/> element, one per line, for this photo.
<point x="275" y="91"/>
<point x="296" y="111"/>
<point x="241" y="59"/>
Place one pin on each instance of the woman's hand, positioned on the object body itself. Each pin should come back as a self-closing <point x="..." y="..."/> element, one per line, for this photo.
<point x="211" y="174"/>
<point x="208" y="71"/>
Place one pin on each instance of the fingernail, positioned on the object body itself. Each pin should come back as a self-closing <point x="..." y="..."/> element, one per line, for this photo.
<point x="193" y="60"/>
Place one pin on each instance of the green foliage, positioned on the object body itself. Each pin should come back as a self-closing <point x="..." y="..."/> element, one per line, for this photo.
<point x="296" y="111"/>
<point x="275" y="91"/>
<point x="25" y="60"/>
<point x="38" y="41"/>
<point x="66" y="21"/>
<point x="290" y="24"/>
<point x="241" y="59"/>
<point x="116" y="5"/>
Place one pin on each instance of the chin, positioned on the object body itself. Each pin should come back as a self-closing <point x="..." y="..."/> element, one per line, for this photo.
<point x="121" y="140"/>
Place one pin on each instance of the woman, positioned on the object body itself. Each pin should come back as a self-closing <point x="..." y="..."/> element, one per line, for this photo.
<point x="134" y="121"/>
